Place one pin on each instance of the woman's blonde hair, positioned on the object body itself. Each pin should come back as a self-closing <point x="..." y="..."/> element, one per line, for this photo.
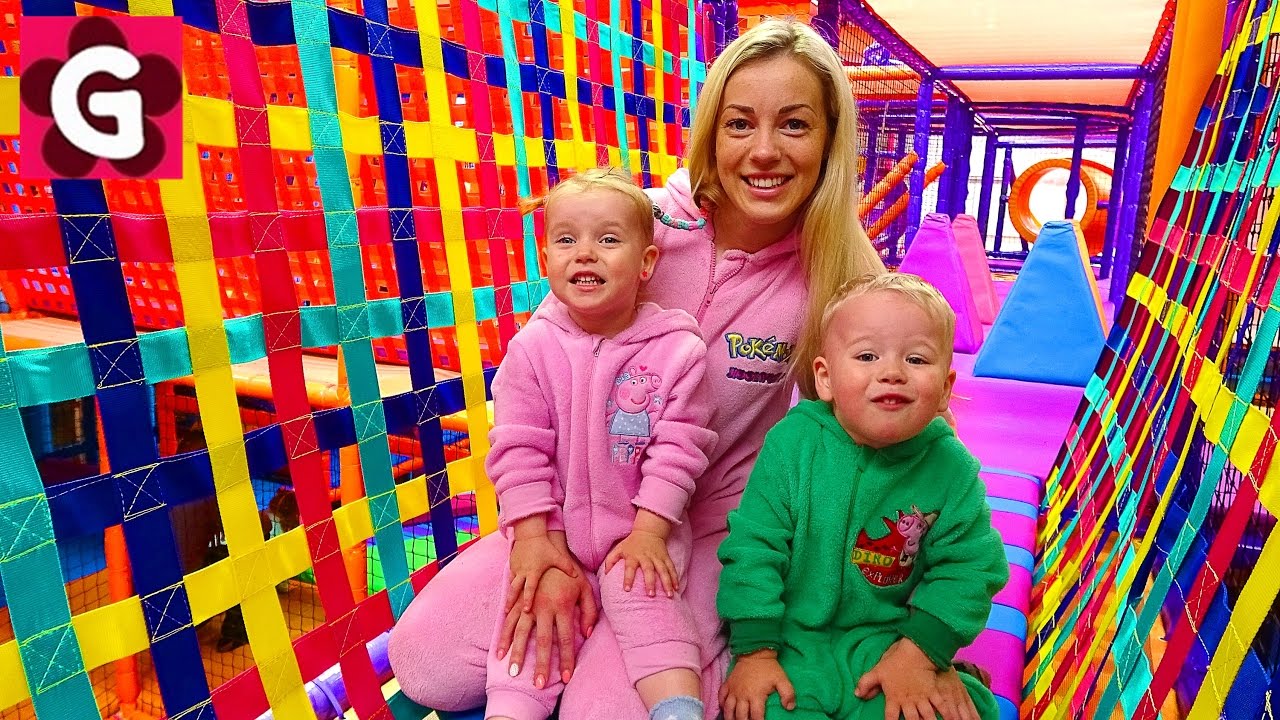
<point x="834" y="247"/>
<point x="914" y="288"/>
<point x="603" y="178"/>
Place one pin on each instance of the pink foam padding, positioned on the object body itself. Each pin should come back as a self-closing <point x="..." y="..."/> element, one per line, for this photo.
<point x="933" y="255"/>
<point x="1011" y="487"/>
<point x="1016" y="529"/>
<point x="974" y="256"/>
<point x="1017" y="592"/>
<point x="1000" y="654"/>
<point x="1011" y="424"/>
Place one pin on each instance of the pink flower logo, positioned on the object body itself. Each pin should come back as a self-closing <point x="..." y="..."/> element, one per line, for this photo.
<point x="102" y="99"/>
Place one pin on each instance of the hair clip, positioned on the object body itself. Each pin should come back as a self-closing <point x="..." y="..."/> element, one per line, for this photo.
<point x="666" y="219"/>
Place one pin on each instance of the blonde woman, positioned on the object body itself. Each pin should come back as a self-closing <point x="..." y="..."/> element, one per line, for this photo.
<point x="766" y="231"/>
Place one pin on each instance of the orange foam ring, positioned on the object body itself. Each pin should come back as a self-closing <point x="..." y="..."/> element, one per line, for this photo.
<point x="1095" y="180"/>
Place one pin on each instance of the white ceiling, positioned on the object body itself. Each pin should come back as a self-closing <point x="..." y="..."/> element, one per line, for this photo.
<point x="1014" y="32"/>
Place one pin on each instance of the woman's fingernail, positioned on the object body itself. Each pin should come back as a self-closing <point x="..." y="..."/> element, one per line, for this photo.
<point x="514" y="670"/>
<point x="565" y="675"/>
<point x="539" y="681"/>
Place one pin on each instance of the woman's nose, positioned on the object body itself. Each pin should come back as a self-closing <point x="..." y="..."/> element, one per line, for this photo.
<point x="765" y="149"/>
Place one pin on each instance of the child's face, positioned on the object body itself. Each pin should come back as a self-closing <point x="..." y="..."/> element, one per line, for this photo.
<point x="884" y="368"/>
<point x="597" y="257"/>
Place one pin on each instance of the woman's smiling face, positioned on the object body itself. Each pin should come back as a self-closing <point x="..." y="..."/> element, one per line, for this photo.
<point x="771" y="135"/>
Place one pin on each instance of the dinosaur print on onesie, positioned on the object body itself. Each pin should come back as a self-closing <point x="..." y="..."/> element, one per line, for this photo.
<point x="889" y="560"/>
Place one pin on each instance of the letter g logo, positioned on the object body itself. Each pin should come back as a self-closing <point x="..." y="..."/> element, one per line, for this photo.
<point x="123" y="105"/>
<point x="95" y="98"/>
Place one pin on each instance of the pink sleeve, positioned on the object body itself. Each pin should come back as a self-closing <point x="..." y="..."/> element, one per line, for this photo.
<point x="681" y="442"/>
<point x="521" y="459"/>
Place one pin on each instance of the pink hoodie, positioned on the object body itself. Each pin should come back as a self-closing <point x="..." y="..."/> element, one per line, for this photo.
<point x="588" y="428"/>
<point x="749" y="307"/>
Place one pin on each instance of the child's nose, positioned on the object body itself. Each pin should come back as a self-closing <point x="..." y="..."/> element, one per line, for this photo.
<point x="893" y="373"/>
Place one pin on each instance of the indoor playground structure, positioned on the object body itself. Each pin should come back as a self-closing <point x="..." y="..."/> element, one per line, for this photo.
<point x="244" y="413"/>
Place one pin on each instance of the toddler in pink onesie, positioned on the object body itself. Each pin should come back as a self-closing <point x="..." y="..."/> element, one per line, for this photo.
<point x="600" y="429"/>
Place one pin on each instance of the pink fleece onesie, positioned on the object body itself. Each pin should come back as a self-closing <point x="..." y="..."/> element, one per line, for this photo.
<point x="749" y="307"/>
<point x="587" y="429"/>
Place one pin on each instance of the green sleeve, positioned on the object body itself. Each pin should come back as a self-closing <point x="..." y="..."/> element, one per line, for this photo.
<point x="757" y="554"/>
<point x="965" y="566"/>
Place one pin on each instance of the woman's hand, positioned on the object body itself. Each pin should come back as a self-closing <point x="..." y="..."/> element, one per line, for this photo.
<point x="754" y="678"/>
<point x="557" y="602"/>
<point x="531" y="558"/>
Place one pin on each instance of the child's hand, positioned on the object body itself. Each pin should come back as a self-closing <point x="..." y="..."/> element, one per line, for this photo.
<point x="530" y="558"/>
<point x="754" y="678"/>
<point x="910" y="683"/>
<point x="647" y="551"/>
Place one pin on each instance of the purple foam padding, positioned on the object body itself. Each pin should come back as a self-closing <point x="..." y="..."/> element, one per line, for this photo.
<point x="1017" y="592"/>
<point x="974" y="256"/>
<point x="1011" y="424"/>
<point x="1000" y="654"/>
<point x="933" y="255"/>
<point x="1011" y="488"/>
<point x="1015" y="529"/>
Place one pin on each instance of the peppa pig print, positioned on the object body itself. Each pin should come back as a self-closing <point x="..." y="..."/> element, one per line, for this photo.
<point x="635" y="395"/>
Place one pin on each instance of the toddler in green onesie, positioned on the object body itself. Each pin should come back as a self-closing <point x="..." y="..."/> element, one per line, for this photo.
<point x="862" y="555"/>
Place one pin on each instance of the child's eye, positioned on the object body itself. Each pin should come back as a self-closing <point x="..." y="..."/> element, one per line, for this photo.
<point x="917" y="360"/>
<point x="865" y="357"/>
<point x="610" y="240"/>
<point x="564" y="240"/>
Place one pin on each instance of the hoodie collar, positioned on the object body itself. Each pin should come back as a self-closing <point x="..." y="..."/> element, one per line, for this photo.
<point x="651" y="321"/>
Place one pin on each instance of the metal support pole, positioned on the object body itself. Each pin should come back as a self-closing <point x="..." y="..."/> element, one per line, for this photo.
<point x="1077" y="158"/>
<point x="1117" y="201"/>
<point x="988" y="178"/>
<point x="1006" y="180"/>
<point x="920" y="141"/>
<point x="950" y="156"/>
<point x="872" y="155"/>
<point x="1127" y="233"/>
<point x="964" y="162"/>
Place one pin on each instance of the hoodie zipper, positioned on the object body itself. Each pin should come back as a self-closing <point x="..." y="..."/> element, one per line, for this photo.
<point x="712" y="284"/>
<point x="591" y="388"/>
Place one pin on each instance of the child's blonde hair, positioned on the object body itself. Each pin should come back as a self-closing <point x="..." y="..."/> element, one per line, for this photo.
<point x="914" y="288"/>
<point x="603" y="178"/>
<point x="833" y="245"/>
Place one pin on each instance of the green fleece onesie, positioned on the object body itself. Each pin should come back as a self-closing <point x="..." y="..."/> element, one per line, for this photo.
<point x="837" y="550"/>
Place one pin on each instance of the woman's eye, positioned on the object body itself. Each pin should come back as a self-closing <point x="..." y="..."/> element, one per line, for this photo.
<point x="795" y="124"/>
<point x="738" y="125"/>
